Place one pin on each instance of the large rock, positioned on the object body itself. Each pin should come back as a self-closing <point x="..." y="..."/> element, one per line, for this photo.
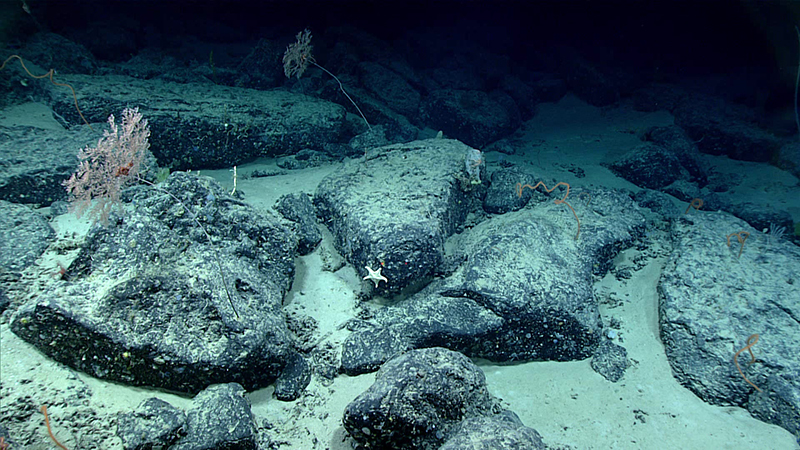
<point x="502" y="431"/>
<point x="713" y="300"/>
<point x="391" y="88"/>
<point x="36" y="161"/>
<point x="522" y="289"/>
<point x="150" y="301"/>
<point x="474" y="117"/>
<point x="418" y="401"/>
<point x="24" y="236"/>
<point x="723" y="128"/>
<point x="394" y="210"/>
<point x="219" y="417"/>
<point x="788" y="158"/>
<point x="668" y="156"/>
<point x="203" y="125"/>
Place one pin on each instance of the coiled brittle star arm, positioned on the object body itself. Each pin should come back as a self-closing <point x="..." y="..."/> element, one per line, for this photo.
<point x="751" y="341"/>
<point x="49" y="75"/>
<point x="563" y="199"/>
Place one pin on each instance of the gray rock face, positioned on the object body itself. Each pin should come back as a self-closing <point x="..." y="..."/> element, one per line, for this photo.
<point x="386" y="213"/>
<point x="503" y="431"/>
<point x="713" y="300"/>
<point x="418" y="399"/>
<point x="523" y="289"/>
<point x="24" y="235"/>
<point x="188" y="131"/>
<point x="149" y="301"/>
<point x="220" y="417"/>
<point x="154" y="423"/>
<point x="390" y="87"/>
<point x="475" y="117"/>
<point x="610" y="360"/>
<point x="724" y="128"/>
<point x="298" y="209"/>
<point x="36" y="162"/>
<point x="650" y="166"/>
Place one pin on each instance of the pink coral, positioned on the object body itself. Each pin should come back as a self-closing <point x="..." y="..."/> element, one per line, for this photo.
<point x="109" y="167"/>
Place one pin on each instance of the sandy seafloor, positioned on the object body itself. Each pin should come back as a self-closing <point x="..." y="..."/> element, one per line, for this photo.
<point x="567" y="402"/>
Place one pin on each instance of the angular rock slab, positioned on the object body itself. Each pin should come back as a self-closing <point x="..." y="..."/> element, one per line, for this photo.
<point x="712" y="300"/>
<point x="35" y="162"/>
<point x="204" y="125"/>
<point x="523" y="292"/>
<point x="394" y="210"/>
<point x="418" y="400"/>
<point x="24" y="236"/>
<point x="219" y="417"/>
<point x="503" y="431"/>
<point x="144" y="302"/>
